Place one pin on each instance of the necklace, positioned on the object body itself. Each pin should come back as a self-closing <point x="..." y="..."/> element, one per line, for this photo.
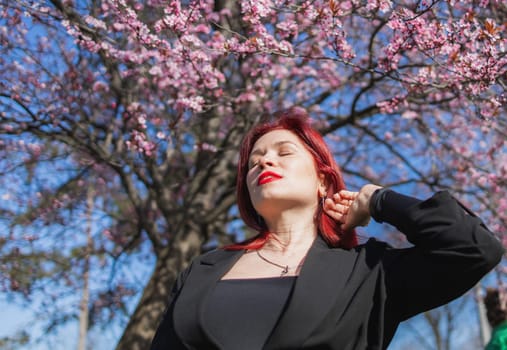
<point x="285" y="268"/>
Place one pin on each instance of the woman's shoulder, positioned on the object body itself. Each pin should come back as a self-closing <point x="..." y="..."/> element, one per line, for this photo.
<point x="371" y="245"/>
<point x="373" y="249"/>
<point x="215" y="255"/>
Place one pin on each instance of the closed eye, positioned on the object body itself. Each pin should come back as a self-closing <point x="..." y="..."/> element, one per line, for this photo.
<point x="253" y="164"/>
<point x="285" y="153"/>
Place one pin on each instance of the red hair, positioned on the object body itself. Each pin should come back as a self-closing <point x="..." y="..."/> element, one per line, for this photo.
<point x="295" y="120"/>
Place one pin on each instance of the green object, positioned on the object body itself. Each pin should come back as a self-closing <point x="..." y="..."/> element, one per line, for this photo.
<point x="498" y="338"/>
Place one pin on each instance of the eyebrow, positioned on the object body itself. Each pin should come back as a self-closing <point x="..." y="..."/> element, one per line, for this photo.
<point x="276" y="144"/>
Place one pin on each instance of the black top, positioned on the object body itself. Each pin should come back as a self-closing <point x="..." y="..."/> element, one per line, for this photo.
<point x="240" y="313"/>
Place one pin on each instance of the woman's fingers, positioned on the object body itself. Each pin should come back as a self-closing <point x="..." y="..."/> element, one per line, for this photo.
<point x="341" y="206"/>
<point x="345" y="199"/>
<point x="334" y="210"/>
<point x="349" y="195"/>
<point x="350" y="209"/>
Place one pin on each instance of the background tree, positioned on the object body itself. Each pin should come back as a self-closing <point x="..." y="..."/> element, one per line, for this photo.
<point x="146" y="102"/>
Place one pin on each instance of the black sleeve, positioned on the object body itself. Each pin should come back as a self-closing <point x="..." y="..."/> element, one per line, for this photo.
<point x="452" y="251"/>
<point x="387" y="203"/>
<point x="165" y="336"/>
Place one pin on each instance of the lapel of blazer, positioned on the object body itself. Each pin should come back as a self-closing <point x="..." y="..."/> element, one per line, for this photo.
<point x="198" y="286"/>
<point x="318" y="286"/>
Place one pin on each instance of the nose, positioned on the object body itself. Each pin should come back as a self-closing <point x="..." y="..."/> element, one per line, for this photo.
<point x="265" y="161"/>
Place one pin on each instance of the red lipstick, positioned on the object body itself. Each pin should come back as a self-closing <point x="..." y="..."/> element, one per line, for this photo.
<point x="267" y="176"/>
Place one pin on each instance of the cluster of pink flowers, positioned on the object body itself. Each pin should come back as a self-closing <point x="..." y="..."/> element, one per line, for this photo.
<point x="139" y="141"/>
<point x="255" y="11"/>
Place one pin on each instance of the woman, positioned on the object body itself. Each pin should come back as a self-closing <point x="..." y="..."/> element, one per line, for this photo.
<point x="303" y="282"/>
<point x="497" y="316"/>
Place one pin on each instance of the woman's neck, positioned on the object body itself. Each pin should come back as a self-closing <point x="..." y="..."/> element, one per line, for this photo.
<point x="291" y="233"/>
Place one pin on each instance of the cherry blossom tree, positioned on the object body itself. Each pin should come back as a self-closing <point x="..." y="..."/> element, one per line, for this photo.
<point x="146" y="102"/>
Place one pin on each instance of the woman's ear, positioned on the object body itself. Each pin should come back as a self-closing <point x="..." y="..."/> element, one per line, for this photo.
<point x="322" y="186"/>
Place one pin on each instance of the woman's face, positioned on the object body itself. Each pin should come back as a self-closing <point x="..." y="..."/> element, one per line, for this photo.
<point x="282" y="174"/>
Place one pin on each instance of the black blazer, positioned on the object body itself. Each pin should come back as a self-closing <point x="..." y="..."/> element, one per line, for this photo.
<point x="352" y="299"/>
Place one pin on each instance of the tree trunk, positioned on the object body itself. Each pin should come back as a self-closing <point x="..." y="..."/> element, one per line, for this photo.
<point x="148" y="313"/>
<point x="83" y="312"/>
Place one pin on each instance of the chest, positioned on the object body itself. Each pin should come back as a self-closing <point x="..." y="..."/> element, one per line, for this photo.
<point x="336" y="293"/>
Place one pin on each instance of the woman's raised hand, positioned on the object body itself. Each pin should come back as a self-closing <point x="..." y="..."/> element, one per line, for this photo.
<point x="351" y="209"/>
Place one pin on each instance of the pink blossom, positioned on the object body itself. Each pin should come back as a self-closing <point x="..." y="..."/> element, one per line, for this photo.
<point x="118" y="27"/>
<point x="100" y="86"/>
<point x="95" y="22"/>
<point x="382" y="5"/>
<point x="247" y="97"/>
<point x="205" y="147"/>
<point x="255" y="11"/>
<point x="410" y="115"/>
<point x="156" y="70"/>
<point x="194" y="103"/>
<point x="287" y="28"/>
<point x="202" y="28"/>
<point x="139" y="143"/>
